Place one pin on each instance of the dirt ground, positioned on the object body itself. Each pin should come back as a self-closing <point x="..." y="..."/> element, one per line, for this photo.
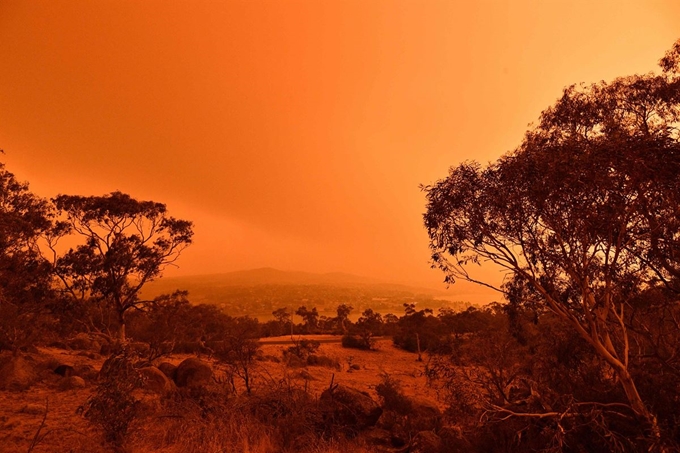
<point x="66" y="430"/>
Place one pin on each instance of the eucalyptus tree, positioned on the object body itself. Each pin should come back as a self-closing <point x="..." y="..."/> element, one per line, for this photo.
<point x="24" y="273"/>
<point x="584" y="214"/>
<point x="127" y="243"/>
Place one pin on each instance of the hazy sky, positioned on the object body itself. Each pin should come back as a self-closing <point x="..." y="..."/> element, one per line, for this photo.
<point x="295" y="134"/>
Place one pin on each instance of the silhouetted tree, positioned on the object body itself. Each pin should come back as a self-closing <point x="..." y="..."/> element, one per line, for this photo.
<point x="309" y="317"/>
<point x="343" y="311"/>
<point x="584" y="214"/>
<point x="127" y="244"/>
<point x="24" y="273"/>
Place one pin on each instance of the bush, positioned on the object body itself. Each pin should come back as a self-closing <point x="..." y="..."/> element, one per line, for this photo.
<point x="391" y="395"/>
<point x="113" y="407"/>
<point x="302" y="349"/>
<point x="322" y="360"/>
<point x="357" y="342"/>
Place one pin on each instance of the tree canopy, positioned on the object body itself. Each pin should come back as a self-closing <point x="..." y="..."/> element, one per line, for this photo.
<point x="24" y="273"/>
<point x="584" y="215"/>
<point x="127" y="244"/>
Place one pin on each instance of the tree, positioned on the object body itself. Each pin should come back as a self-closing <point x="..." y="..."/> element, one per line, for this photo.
<point x="343" y="311"/>
<point x="127" y="244"/>
<point x="24" y="273"/>
<point x="583" y="215"/>
<point x="310" y="318"/>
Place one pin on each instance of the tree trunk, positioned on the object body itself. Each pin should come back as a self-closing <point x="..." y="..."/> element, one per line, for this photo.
<point x="121" y="329"/>
<point x="636" y="403"/>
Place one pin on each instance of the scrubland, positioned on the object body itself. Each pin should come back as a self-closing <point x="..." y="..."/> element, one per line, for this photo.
<point x="44" y="412"/>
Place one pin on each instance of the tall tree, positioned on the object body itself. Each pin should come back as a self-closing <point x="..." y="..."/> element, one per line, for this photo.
<point x="24" y="274"/>
<point x="127" y="244"/>
<point x="583" y="214"/>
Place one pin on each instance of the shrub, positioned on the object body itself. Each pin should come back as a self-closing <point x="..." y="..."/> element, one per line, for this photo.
<point x="391" y="395"/>
<point x="302" y="349"/>
<point x="357" y="342"/>
<point x="113" y="407"/>
<point x="322" y="360"/>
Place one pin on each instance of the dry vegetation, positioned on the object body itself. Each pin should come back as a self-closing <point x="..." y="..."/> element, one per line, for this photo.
<point x="177" y="422"/>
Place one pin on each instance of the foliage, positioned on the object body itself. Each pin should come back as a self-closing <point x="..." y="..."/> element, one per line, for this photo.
<point x="239" y="349"/>
<point x="309" y="317"/>
<point x="583" y="214"/>
<point x="25" y="279"/>
<point x="112" y="407"/>
<point x="302" y="349"/>
<point x="127" y="243"/>
<point x="392" y="396"/>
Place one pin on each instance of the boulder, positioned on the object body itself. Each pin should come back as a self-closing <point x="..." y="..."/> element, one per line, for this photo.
<point x="425" y="415"/>
<point x="193" y="372"/>
<point x="71" y="383"/>
<point x="154" y="380"/>
<point x="351" y="407"/>
<point x="426" y="442"/>
<point x="33" y="409"/>
<point x="168" y="369"/>
<point x="85" y="371"/>
<point x="16" y="373"/>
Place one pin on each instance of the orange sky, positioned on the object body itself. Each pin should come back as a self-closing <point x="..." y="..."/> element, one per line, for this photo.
<point x="295" y="133"/>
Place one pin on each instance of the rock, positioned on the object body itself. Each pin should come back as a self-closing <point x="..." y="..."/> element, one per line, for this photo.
<point x="85" y="371"/>
<point x="425" y="415"/>
<point x="16" y="373"/>
<point x="426" y="442"/>
<point x="351" y="407"/>
<point x="71" y="383"/>
<point x="354" y="366"/>
<point x="65" y="370"/>
<point x="154" y="380"/>
<point x="33" y="409"/>
<point x="193" y="372"/>
<point x="168" y="369"/>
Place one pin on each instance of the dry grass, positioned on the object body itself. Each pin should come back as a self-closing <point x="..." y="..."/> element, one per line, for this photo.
<point x="165" y="428"/>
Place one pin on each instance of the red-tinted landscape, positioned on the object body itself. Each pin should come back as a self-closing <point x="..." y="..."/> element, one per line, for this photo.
<point x="229" y="227"/>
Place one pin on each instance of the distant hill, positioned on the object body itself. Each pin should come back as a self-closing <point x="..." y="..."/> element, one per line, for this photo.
<point x="258" y="292"/>
<point x="271" y="276"/>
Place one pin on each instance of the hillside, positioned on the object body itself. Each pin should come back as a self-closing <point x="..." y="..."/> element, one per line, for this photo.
<point x="258" y="292"/>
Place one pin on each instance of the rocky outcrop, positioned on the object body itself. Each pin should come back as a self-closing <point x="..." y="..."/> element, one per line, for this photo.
<point x="168" y="369"/>
<point x="71" y="383"/>
<point x="350" y="407"/>
<point x="424" y="415"/>
<point x="17" y="372"/>
<point x="193" y="372"/>
<point x="154" y="380"/>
